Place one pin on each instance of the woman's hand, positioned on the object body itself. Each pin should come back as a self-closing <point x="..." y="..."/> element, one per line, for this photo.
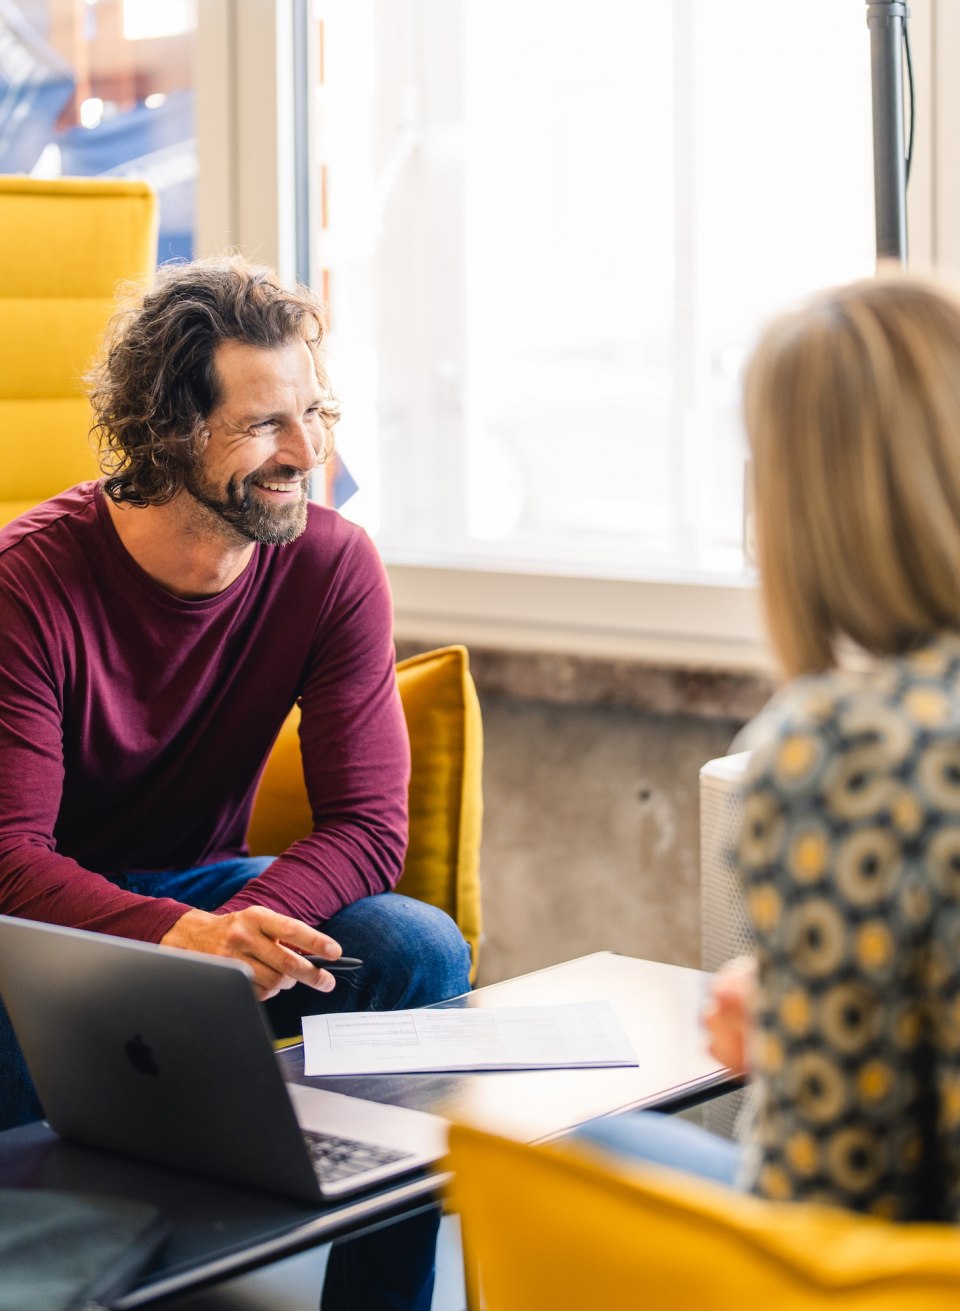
<point x="727" y="1016"/>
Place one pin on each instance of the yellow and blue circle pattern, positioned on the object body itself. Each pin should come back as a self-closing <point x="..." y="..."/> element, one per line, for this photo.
<point x="850" y="856"/>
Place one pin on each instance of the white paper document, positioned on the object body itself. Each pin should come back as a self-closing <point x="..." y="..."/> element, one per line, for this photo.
<point x="563" y="1036"/>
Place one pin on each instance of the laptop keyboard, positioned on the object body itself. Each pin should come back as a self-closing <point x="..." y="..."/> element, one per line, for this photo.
<point x="339" y="1158"/>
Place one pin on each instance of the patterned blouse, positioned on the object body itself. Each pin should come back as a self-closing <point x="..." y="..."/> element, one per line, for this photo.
<point x="850" y="854"/>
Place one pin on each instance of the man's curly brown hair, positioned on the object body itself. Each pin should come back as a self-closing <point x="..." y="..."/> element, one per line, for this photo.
<point x="155" y="383"/>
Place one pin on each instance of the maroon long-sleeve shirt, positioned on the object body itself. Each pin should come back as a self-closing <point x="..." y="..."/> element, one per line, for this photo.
<point x="134" y="725"/>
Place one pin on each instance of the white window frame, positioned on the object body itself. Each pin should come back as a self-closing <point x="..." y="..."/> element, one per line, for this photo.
<point x="245" y="147"/>
<point x="244" y="105"/>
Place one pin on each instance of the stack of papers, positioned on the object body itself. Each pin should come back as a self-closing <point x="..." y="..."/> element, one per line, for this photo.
<point x="563" y="1036"/>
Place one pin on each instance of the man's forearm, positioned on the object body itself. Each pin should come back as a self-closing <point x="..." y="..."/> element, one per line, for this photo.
<point x="39" y="884"/>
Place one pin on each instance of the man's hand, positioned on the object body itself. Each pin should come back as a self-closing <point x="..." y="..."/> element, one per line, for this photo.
<point x="728" y="1013"/>
<point x="262" y="939"/>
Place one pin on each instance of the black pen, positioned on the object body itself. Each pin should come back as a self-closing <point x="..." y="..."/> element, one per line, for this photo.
<point x="341" y="963"/>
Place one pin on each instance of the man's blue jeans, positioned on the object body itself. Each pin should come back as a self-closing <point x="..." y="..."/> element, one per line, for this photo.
<point x="413" y="955"/>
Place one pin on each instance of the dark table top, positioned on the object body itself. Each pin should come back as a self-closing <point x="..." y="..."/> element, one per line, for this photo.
<point x="220" y="1230"/>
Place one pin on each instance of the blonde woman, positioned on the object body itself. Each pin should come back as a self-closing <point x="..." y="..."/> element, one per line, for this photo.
<point x="849" y="1023"/>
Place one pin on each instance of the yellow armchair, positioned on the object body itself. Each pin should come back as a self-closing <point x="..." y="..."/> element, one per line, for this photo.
<point x="64" y="246"/>
<point x="570" y="1227"/>
<point x="442" y="864"/>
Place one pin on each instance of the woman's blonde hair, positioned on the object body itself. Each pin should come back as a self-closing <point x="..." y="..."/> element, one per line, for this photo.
<point x="852" y="409"/>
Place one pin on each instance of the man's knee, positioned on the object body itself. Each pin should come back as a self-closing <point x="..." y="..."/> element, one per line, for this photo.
<point x="415" y="954"/>
<point x="430" y="934"/>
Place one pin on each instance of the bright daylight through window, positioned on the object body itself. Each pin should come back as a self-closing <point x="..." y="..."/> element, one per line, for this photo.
<point x="548" y="233"/>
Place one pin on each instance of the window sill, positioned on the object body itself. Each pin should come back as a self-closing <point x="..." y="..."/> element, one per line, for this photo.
<point x="688" y="626"/>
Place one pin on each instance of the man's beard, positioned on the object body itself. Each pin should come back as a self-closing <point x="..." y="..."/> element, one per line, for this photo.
<point x="247" y="514"/>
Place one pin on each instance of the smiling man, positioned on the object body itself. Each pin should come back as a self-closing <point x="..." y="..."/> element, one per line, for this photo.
<point x="159" y="624"/>
<point x="263" y="393"/>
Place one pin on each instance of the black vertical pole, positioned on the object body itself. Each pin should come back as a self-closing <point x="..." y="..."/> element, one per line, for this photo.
<point x="886" y="20"/>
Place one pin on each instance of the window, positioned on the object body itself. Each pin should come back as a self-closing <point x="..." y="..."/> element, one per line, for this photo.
<point x="548" y="232"/>
<point x="103" y="88"/>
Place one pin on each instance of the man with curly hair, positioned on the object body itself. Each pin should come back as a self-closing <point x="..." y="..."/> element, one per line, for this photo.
<point x="159" y="624"/>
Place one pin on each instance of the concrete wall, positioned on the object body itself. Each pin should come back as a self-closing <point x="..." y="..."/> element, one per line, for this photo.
<point x="590" y="832"/>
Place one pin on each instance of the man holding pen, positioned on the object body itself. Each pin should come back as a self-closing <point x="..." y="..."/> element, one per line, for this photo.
<point x="158" y="626"/>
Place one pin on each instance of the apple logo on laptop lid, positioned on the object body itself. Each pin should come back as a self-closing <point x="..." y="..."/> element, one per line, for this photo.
<point x="140" y="1056"/>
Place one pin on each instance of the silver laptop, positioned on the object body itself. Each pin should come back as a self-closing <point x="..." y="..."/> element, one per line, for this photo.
<point x="166" y="1055"/>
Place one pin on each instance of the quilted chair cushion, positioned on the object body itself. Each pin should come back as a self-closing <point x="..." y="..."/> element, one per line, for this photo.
<point x="64" y="247"/>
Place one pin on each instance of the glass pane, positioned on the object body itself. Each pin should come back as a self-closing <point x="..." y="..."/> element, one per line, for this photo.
<point x="103" y="88"/>
<point x="548" y="233"/>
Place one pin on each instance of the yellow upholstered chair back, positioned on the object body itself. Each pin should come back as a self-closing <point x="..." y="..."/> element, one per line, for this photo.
<point x="442" y="864"/>
<point x="64" y="246"/>
<point x="569" y="1227"/>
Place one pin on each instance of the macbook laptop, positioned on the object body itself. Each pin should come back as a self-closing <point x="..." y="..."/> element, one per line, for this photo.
<point x="166" y="1055"/>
